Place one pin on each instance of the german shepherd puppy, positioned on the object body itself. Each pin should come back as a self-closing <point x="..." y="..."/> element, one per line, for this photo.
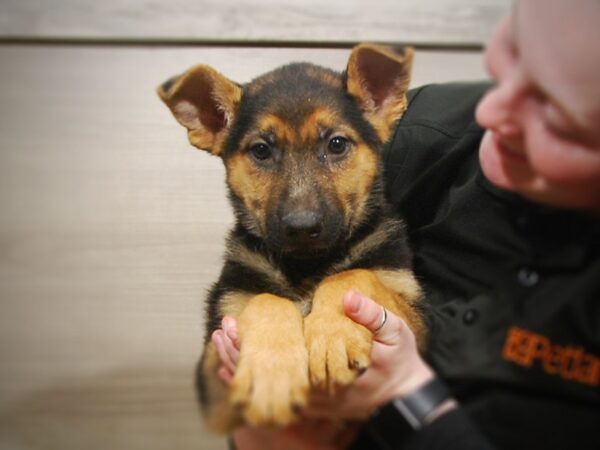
<point x="302" y="149"/>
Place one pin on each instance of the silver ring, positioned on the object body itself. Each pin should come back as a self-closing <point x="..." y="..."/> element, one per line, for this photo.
<point x="383" y="319"/>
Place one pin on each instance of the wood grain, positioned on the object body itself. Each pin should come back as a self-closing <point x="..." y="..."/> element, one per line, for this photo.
<point x="111" y="230"/>
<point x="431" y="22"/>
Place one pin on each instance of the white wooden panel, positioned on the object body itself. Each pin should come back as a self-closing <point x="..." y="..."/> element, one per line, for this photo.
<point x="111" y="230"/>
<point x="438" y="22"/>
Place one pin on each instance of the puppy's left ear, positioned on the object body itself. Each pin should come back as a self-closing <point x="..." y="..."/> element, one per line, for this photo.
<point x="378" y="77"/>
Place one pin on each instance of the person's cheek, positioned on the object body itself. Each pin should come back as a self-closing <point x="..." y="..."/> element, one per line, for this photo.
<point x="560" y="160"/>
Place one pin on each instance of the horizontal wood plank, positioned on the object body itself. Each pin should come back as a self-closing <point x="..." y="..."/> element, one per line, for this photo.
<point x="111" y="231"/>
<point x="425" y="22"/>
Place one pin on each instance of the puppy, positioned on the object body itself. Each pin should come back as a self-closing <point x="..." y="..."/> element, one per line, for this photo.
<point x="302" y="150"/>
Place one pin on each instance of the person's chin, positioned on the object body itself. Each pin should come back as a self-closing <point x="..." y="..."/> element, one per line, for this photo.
<point x="499" y="165"/>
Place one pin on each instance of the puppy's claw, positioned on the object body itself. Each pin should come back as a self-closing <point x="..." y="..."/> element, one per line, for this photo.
<point x="358" y="366"/>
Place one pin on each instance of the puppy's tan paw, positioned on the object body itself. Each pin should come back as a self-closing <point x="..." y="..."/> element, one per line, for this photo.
<point x="339" y="349"/>
<point x="271" y="387"/>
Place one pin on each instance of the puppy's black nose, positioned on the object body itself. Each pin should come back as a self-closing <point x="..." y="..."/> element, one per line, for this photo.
<point x="302" y="225"/>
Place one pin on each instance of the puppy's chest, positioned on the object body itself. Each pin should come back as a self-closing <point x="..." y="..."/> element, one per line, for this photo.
<point x="300" y="286"/>
<point x="256" y="272"/>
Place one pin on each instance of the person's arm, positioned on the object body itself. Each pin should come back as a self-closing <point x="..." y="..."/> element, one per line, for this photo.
<point x="418" y="417"/>
<point x="451" y="431"/>
<point x="446" y="428"/>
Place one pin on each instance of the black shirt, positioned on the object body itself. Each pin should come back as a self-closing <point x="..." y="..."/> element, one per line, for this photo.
<point x="514" y="288"/>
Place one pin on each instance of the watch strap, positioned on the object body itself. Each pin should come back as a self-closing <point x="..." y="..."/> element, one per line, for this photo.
<point x="416" y="406"/>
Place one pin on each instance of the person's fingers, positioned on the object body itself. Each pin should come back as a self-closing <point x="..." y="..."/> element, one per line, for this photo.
<point x="385" y="325"/>
<point x="231" y="339"/>
<point x="229" y="325"/>
<point x="225" y="375"/>
<point x="219" y="339"/>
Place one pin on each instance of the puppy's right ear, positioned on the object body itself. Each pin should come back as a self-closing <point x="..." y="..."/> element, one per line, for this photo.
<point x="205" y="102"/>
<point x="378" y="77"/>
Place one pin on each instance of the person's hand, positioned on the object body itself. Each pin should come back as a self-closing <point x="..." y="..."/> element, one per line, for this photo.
<point x="396" y="367"/>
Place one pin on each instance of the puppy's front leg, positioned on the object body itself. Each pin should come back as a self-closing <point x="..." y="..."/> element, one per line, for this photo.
<point x="339" y="348"/>
<point x="271" y="379"/>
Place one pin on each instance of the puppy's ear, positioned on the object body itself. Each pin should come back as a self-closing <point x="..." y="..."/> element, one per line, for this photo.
<point x="205" y="102"/>
<point x="378" y="77"/>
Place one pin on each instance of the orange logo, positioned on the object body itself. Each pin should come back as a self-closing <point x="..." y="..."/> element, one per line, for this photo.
<point x="524" y="348"/>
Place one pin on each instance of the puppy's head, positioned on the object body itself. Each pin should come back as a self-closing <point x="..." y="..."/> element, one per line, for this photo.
<point x="301" y="144"/>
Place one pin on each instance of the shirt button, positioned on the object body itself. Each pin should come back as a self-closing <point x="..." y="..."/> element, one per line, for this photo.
<point x="528" y="277"/>
<point x="470" y="316"/>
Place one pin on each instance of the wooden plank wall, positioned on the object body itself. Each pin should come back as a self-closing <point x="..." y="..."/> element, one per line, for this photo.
<point x="433" y="22"/>
<point x="111" y="225"/>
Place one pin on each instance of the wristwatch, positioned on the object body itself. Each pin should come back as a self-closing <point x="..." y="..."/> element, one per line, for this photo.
<point x="416" y="406"/>
<point x="409" y="412"/>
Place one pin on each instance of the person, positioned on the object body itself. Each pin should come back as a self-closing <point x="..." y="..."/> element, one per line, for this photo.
<point x="500" y="187"/>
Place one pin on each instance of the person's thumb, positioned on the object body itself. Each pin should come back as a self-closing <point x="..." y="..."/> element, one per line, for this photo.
<point x="384" y="325"/>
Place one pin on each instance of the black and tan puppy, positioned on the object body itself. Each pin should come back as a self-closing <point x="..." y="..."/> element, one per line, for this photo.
<point x="302" y="150"/>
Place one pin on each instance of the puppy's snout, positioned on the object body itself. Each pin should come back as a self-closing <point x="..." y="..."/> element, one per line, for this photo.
<point x="303" y="225"/>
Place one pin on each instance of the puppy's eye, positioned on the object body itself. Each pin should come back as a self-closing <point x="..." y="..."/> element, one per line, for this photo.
<point x="338" y="145"/>
<point x="261" y="151"/>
